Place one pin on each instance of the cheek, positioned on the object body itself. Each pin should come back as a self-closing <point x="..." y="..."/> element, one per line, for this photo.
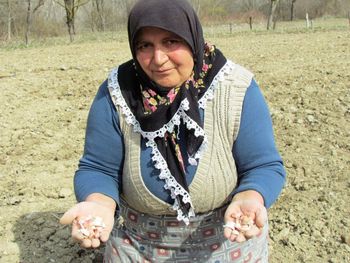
<point x="187" y="63"/>
<point x="143" y="61"/>
<point x="182" y="58"/>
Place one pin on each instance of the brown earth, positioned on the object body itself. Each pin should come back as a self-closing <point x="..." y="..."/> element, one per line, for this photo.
<point x="45" y="96"/>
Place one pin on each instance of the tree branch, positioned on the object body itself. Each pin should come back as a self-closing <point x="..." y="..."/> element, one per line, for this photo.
<point x="80" y="4"/>
<point x="59" y="3"/>
<point x="40" y="3"/>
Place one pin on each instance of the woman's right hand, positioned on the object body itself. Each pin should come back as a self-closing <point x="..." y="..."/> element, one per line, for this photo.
<point x="96" y="205"/>
<point x="251" y="205"/>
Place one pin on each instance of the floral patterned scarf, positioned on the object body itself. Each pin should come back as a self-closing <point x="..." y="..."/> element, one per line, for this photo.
<point x="152" y="100"/>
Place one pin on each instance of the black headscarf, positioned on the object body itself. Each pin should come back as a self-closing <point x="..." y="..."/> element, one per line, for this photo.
<point x="178" y="17"/>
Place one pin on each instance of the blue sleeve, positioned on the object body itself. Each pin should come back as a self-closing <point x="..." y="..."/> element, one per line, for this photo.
<point x="258" y="162"/>
<point x="100" y="167"/>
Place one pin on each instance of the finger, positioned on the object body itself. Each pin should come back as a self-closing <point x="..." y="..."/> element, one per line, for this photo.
<point x="86" y="243"/>
<point x="69" y="216"/>
<point x="105" y="235"/>
<point x="240" y="238"/>
<point x="234" y="234"/>
<point x="252" y="232"/>
<point x="261" y="217"/>
<point x="97" y="234"/>
<point x="76" y="234"/>
<point x="95" y="243"/>
<point x="227" y="232"/>
<point x="234" y="208"/>
<point x="232" y="212"/>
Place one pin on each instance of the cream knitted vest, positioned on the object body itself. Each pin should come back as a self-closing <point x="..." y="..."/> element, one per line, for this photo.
<point x="216" y="174"/>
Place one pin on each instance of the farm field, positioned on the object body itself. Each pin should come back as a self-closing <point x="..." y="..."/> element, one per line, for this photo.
<point x="46" y="92"/>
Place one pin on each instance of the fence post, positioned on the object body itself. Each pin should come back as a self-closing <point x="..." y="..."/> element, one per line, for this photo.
<point x="307" y="20"/>
<point x="251" y="23"/>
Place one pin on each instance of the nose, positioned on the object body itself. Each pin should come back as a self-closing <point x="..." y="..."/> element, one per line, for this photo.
<point x="159" y="56"/>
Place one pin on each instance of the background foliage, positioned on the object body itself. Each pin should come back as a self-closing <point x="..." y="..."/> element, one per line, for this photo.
<point x="47" y="18"/>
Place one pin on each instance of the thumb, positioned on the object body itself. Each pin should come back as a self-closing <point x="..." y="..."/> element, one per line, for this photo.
<point x="69" y="216"/>
<point x="105" y="235"/>
<point x="261" y="217"/>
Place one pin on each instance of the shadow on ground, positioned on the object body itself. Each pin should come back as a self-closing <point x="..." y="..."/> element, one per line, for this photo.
<point x="41" y="239"/>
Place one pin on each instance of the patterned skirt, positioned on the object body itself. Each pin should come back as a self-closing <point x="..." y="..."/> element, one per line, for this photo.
<point x="148" y="238"/>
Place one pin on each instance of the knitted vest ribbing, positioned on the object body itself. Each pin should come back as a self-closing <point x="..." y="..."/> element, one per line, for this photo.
<point x="216" y="175"/>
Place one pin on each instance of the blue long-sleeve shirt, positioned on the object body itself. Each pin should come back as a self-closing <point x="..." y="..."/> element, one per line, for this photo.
<point x="258" y="162"/>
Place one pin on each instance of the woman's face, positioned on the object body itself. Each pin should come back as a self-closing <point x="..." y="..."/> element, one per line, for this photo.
<point x="164" y="57"/>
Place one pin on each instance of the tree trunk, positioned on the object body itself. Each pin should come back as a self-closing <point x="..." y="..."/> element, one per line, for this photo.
<point x="29" y="20"/>
<point x="92" y="16"/>
<point x="71" y="30"/>
<point x="9" y="18"/>
<point x="48" y="10"/>
<point x="100" y="12"/>
<point x="71" y="33"/>
<point x="292" y="10"/>
<point x="69" y="6"/>
<point x="273" y="7"/>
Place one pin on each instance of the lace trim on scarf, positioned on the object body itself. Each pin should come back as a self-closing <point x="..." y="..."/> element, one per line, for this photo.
<point x="209" y="94"/>
<point x="170" y="183"/>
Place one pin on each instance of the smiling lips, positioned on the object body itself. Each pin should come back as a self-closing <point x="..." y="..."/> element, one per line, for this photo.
<point x="162" y="71"/>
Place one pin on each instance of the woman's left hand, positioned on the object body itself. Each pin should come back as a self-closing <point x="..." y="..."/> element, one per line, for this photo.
<point x="247" y="204"/>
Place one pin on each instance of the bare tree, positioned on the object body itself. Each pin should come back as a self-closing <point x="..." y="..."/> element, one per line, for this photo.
<point x="8" y="6"/>
<point x="29" y="18"/>
<point x="250" y="5"/>
<point x="273" y="6"/>
<point x="97" y="15"/>
<point x="101" y="15"/>
<point x="71" y="7"/>
<point x="292" y="10"/>
<point x="128" y="5"/>
<point x="50" y="10"/>
<point x="20" y="18"/>
<point x="9" y="19"/>
<point x="197" y="6"/>
<point x="30" y="13"/>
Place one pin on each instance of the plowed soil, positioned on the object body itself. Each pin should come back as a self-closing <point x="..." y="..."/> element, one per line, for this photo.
<point x="45" y="96"/>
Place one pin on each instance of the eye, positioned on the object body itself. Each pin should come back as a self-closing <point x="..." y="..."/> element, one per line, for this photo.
<point x="143" y="46"/>
<point x="172" y="43"/>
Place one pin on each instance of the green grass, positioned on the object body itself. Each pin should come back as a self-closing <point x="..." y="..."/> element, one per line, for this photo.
<point x="210" y="31"/>
<point x="299" y="26"/>
<point x="88" y="37"/>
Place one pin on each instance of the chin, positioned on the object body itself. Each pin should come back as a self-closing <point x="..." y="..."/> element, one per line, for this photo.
<point x="166" y="84"/>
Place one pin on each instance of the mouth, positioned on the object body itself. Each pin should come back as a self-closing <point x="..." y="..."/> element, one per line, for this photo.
<point x="162" y="71"/>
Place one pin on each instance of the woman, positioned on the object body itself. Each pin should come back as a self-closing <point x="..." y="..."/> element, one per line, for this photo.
<point x="179" y="144"/>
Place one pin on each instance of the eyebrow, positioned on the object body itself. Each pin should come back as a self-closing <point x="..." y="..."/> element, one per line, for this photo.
<point x="140" y="42"/>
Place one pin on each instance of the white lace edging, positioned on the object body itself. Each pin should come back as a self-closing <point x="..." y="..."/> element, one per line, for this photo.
<point x="170" y="183"/>
<point x="220" y="76"/>
<point x="131" y="119"/>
